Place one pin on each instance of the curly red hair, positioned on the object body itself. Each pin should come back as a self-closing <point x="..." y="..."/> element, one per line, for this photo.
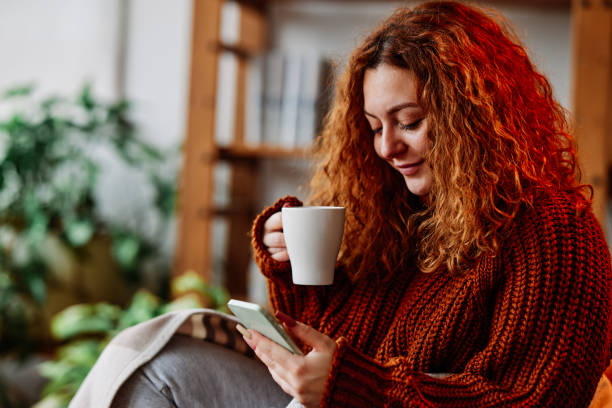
<point x="499" y="138"/>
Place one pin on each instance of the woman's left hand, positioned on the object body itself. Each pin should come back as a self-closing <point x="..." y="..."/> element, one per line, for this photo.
<point x="302" y="377"/>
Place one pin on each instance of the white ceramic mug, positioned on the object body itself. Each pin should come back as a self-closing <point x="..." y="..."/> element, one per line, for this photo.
<point x="313" y="236"/>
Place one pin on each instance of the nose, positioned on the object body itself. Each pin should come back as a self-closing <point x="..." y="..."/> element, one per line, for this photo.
<point x="391" y="144"/>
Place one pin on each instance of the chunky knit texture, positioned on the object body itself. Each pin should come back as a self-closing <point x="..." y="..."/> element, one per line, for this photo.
<point x="529" y="327"/>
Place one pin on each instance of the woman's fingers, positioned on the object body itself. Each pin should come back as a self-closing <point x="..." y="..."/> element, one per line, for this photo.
<point x="274" y="356"/>
<point x="281" y="256"/>
<point x="270" y="353"/>
<point x="307" y="334"/>
<point x="274" y="240"/>
<point x="274" y="223"/>
<point x="303" y="377"/>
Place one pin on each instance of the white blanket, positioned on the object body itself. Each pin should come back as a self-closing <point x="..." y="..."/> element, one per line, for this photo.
<point x="136" y="345"/>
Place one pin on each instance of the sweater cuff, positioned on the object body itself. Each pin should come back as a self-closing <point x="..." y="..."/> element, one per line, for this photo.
<point x="358" y="380"/>
<point x="270" y="267"/>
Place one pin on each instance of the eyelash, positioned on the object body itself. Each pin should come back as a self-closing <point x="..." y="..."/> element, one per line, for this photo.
<point x="412" y="126"/>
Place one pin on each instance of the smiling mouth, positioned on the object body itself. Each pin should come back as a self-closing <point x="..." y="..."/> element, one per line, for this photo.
<point x="409" y="169"/>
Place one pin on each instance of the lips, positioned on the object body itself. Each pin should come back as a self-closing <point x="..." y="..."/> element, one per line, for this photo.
<point x="409" y="168"/>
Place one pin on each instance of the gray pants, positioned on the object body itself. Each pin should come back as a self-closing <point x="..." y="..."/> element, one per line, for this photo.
<point x="190" y="372"/>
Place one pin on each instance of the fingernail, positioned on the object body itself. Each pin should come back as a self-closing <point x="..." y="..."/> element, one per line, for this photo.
<point x="288" y="320"/>
<point x="243" y="331"/>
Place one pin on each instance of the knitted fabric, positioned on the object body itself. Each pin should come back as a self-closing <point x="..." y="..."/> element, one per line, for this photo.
<point x="529" y="327"/>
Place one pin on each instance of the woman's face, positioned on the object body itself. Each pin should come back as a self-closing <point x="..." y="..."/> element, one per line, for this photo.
<point x="398" y="124"/>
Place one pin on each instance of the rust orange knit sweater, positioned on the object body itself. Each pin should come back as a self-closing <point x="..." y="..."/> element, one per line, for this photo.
<point x="529" y="327"/>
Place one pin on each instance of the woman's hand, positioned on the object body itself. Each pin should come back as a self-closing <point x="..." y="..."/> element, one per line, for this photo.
<point x="302" y="377"/>
<point x="273" y="237"/>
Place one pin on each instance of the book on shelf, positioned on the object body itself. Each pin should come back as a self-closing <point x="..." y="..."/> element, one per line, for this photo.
<point x="242" y="28"/>
<point x="290" y="100"/>
<point x="254" y="102"/>
<point x="274" y="73"/>
<point x="223" y="180"/>
<point x="287" y="97"/>
<point x="315" y="93"/>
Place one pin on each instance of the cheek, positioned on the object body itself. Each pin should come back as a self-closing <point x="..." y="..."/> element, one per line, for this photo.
<point x="424" y="143"/>
<point x="423" y="147"/>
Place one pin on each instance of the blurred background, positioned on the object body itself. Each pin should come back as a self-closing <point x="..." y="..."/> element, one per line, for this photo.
<point x="140" y="138"/>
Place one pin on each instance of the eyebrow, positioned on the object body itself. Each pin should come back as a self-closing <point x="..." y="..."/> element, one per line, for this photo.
<point x="396" y="108"/>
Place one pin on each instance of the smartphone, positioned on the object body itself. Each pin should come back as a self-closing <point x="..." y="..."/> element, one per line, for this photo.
<point x="257" y="318"/>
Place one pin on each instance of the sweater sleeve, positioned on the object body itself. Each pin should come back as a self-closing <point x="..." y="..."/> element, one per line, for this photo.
<point x="279" y="272"/>
<point x="549" y="338"/>
<point x="304" y="303"/>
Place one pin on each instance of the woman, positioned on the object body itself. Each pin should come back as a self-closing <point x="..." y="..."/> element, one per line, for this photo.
<point x="472" y="271"/>
<point x="469" y="249"/>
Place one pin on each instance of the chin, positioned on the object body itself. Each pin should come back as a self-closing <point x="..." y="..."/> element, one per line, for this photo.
<point x="419" y="188"/>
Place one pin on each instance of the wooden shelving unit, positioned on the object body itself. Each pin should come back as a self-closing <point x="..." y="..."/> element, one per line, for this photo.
<point x="197" y="208"/>
<point x="196" y="183"/>
<point x="592" y="108"/>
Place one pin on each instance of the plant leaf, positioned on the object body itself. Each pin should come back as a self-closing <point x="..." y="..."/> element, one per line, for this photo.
<point x="79" y="232"/>
<point x="85" y="98"/>
<point x="192" y="282"/>
<point x="144" y="306"/>
<point x="98" y="318"/>
<point x="23" y="90"/>
<point x="125" y="250"/>
<point x="38" y="288"/>
<point x="188" y="301"/>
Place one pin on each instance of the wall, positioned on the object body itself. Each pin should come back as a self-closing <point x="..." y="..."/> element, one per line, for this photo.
<point x="155" y="79"/>
<point x="61" y="44"/>
<point x="157" y="72"/>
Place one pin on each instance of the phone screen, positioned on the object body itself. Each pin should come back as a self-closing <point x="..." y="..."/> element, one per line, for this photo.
<point x="255" y="317"/>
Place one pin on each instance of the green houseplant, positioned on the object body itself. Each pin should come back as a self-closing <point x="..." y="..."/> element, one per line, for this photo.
<point x="49" y="209"/>
<point x="85" y="330"/>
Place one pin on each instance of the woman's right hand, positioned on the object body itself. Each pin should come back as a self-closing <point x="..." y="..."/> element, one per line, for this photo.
<point x="274" y="239"/>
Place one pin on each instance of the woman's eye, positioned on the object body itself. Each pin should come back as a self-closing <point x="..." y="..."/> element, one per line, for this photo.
<point x="411" y="126"/>
<point x="376" y="131"/>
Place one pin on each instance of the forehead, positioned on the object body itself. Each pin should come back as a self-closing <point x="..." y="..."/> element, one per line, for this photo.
<point x="388" y="85"/>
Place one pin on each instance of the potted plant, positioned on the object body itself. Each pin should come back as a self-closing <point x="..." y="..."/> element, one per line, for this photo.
<point x="85" y="330"/>
<point x="52" y="232"/>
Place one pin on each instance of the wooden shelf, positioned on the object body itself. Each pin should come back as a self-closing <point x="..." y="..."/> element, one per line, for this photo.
<point x="234" y="210"/>
<point x="251" y="153"/>
<point x="262" y="152"/>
